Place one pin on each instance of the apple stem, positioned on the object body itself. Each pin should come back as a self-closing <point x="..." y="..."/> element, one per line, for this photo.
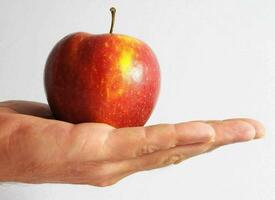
<point x="113" y="11"/>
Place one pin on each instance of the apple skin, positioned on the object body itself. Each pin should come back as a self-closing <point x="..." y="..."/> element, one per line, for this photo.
<point x="107" y="78"/>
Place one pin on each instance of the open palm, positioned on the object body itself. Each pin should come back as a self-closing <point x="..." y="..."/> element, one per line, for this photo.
<point x="35" y="148"/>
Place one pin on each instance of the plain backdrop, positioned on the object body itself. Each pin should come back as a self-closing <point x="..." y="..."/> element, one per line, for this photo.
<point x="217" y="60"/>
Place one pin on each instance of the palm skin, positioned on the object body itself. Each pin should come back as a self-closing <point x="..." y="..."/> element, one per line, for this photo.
<point x="36" y="148"/>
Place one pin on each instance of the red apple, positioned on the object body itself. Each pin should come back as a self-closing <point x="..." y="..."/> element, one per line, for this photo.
<point x="107" y="78"/>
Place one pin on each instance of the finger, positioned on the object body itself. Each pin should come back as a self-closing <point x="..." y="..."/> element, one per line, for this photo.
<point x="115" y="171"/>
<point x="260" y="130"/>
<point x="227" y="132"/>
<point x="128" y="143"/>
<point x="232" y="131"/>
<point x="28" y="108"/>
<point x="164" y="158"/>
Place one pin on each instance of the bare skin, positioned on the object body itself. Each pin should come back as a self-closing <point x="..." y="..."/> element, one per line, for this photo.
<point x="35" y="148"/>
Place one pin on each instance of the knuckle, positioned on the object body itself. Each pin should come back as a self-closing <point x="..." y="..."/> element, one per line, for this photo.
<point x="147" y="149"/>
<point x="179" y="161"/>
<point x="173" y="159"/>
<point x="103" y="183"/>
<point x="104" y="177"/>
<point x="169" y="131"/>
<point x="164" y="131"/>
<point x="104" y="174"/>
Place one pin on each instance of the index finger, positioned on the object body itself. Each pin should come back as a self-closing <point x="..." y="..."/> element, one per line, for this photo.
<point x="235" y="130"/>
<point x="125" y="143"/>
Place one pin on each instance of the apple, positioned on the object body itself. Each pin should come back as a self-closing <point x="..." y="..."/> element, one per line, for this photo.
<point x="104" y="78"/>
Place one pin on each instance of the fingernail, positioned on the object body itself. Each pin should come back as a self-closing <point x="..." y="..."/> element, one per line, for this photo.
<point x="196" y="132"/>
<point x="204" y="132"/>
<point x="240" y="130"/>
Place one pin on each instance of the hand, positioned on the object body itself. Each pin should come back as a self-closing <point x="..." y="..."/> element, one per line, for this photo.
<point x="35" y="148"/>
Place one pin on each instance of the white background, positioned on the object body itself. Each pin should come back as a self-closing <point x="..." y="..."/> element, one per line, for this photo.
<point x="217" y="60"/>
